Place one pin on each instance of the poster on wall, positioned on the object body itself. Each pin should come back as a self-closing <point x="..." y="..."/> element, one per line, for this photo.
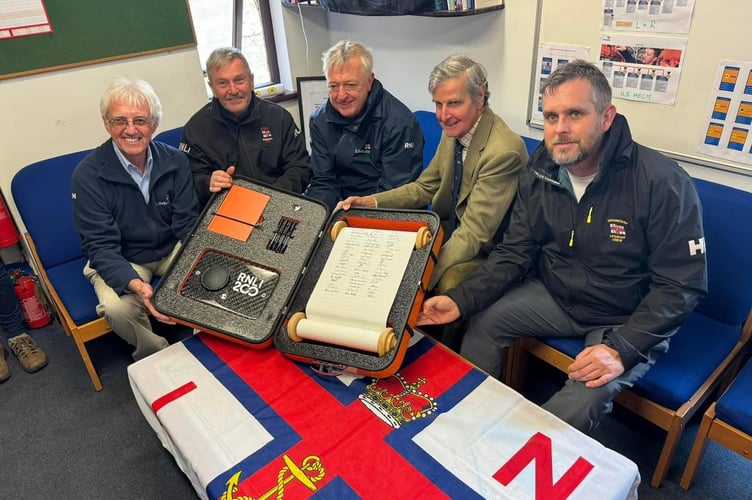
<point x="312" y="94"/>
<point x="23" y="18"/>
<point x="642" y="68"/>
<point x="729" y="118"/>
<point x="550" y="57"/>
<point x="656" y="16"/>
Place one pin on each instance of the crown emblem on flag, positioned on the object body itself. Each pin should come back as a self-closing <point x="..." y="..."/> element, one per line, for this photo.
<point x="397" y="402"/>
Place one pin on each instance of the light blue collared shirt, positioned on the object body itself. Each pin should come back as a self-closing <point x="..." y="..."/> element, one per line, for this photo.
<point x="142" y="181"/>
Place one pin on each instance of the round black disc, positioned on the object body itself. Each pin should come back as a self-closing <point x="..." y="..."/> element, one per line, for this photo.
<point x="215" y="278"/>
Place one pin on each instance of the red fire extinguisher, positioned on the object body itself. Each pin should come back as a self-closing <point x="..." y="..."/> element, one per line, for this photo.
<point x="34" y="312"/>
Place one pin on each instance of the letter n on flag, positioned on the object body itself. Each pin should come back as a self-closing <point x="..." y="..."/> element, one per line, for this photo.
<point x="538" y="449"/>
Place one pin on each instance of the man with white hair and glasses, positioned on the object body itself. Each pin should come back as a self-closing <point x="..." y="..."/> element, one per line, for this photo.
<point x="133" y="203"/>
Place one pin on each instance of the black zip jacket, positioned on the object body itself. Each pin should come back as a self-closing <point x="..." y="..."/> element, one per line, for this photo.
<point x="265" y="145"/>
<point x="630" y="253"/>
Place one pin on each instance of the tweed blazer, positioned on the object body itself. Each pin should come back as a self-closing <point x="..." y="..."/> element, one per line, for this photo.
<point x="490" y="176"/>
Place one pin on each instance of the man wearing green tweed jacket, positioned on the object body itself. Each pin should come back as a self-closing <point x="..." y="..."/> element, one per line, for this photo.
<point x="492" y="157"/>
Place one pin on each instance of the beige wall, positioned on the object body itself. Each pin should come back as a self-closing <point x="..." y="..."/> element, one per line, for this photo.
<point x="55" y="113"/>
<point x="407" y="47"/>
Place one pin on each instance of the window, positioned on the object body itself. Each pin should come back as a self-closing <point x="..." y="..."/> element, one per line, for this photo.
<point x="246" y="24"/>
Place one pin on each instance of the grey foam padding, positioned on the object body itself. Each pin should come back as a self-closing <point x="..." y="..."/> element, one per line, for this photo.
<point x="175" y="294"/>
<point x="398" y="315"/>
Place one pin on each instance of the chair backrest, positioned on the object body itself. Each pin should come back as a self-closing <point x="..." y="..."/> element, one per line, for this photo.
<point x="431" y="129"/>
<point x="42" y="194"/>
<point x="171" y="136"/>
<point x="728" y="240"/>
<point x="531" y="144"/>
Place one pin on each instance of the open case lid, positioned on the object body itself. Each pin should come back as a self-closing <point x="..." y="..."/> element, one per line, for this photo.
<point x="239" y="267"/>
<point x="404" y="307"/>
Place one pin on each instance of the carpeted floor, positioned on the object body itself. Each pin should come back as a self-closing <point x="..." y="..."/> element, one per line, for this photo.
<point x="61" y="439"/>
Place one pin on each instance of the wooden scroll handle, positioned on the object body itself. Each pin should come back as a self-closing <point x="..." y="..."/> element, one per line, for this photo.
<point x="423" y="237"/>
<point x="356" y="339"/>
<point x="292" y="326"/>
<point x="387" y="341"/>
<point x="336" y="228"/>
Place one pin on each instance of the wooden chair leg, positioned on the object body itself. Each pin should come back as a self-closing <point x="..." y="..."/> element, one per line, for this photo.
<point x="515" y="366"/>
<point x="667" y="453"/>
<point x="81" y="345"/>
<point x="698" y="448"/>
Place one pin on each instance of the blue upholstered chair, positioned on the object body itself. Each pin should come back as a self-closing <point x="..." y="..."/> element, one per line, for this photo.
<point x="706" y="346"/>
<point x="531" y="144"/>
<point x="42" y="194"/>
<point x="431" y="129"/>
<point x="171" y="136"/>
<point x="727" y="422"/>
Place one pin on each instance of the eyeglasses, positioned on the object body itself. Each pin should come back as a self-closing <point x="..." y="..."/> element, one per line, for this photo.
<point x="347" y="87"/>
<point x="225" y="84"/>
<point x="122" y="122"/>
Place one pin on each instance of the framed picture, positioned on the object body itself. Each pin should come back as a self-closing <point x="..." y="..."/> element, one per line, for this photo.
<point x="312" y="94"/>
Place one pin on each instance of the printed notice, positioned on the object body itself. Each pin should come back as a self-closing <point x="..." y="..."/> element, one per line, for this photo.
<point x="729" y="117"/>
<point x="642" y="68"/>
<point x="23" y="18"/>
<point x="655" y="16"/>
<point x="550" y="57"/>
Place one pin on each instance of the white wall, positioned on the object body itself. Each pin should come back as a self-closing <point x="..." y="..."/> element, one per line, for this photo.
<point x="407" y="47"/>
<point x="54" y="113"/>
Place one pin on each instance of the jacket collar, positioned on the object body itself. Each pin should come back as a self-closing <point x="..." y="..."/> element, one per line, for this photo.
<point x="112" y="170"/>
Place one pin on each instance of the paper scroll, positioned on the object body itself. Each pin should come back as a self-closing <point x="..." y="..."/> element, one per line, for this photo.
<point x="351" y="301"/>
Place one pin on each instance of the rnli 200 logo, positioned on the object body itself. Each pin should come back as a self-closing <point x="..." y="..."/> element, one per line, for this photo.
<point x="247" y="284"/>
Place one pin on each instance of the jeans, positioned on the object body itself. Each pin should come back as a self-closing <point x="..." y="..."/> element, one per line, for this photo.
<point x="11" y="320"/>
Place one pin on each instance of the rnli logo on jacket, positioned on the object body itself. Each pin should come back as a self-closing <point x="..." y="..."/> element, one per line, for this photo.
<point x="266" y="135"/>
<point x="365" y="150"/>
<point x="617" y="230"/>
<point x="164" y="202"/>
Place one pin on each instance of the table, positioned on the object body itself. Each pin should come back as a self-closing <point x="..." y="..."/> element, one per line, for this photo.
<point x="252" y="423"/>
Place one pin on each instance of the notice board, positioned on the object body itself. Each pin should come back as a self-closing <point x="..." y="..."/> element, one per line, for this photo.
<point x="92" y="31"/>
<point x="719" y="31"/>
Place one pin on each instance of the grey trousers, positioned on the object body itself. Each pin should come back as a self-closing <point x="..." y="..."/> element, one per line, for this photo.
<point x="528" y="310"/>
<point x="126" y="313"/>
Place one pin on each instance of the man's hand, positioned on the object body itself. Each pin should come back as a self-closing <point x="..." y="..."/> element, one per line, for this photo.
<point x="221" y="179"/>
<point x="596" y="366"/>
<point x="356" y="201"/>
<point x="438" y="310"/>
<point x="145" y="291"/>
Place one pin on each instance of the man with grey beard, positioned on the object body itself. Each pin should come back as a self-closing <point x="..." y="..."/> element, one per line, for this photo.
<point x="605" y="243"/>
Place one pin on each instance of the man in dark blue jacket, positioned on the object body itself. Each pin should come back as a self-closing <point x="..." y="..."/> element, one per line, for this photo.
<point x="364" y="140"/>
<point x="133" y="203"/>
<point x="605" y="243"/>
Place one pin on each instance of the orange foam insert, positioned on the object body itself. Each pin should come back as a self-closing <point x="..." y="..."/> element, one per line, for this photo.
<point x="239" y="212"/>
